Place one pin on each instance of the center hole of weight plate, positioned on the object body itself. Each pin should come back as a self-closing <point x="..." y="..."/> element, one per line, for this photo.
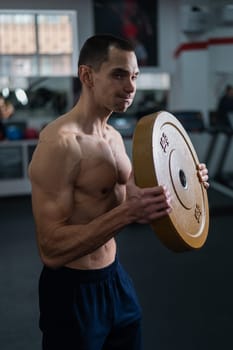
<point x="182" y="177"/>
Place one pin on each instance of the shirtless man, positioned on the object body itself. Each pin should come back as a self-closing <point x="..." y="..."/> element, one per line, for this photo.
<point x="6" y="111"/>
<point x="83" y="194"/>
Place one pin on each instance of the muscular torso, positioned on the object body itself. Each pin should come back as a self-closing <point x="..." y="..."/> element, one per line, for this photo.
<point x="98" y="185"/>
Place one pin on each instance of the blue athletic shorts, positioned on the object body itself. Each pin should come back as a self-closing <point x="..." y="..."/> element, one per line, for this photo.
<point x="89" y="309"/>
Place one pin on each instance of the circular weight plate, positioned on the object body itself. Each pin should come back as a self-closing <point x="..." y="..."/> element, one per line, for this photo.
<point x="163" y="154"/>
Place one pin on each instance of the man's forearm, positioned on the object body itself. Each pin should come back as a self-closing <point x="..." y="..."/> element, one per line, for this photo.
<point x="67" y="243"/>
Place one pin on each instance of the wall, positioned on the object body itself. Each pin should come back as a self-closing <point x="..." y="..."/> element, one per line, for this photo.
<point x="203" y="61"/>
<point x="193" y="72"/>
<point x="188" y="70"/>
<point x="168" y="33"/>
<point x="198" y="76"/>
<point x="201" y="69"/>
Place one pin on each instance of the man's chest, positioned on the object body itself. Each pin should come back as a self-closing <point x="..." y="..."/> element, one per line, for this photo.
<point x="102" y="166"/>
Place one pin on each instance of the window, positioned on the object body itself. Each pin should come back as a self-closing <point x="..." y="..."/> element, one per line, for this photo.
<point x="38" y="43"/>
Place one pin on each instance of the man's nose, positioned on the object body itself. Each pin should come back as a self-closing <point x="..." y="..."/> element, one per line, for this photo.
<point x="130" y="86"/>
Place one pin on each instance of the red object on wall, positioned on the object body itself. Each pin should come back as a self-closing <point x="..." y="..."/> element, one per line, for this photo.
<point x="202" y="45"/>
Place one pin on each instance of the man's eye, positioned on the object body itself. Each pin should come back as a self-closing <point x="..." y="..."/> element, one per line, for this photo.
<point x="119" y="76"/>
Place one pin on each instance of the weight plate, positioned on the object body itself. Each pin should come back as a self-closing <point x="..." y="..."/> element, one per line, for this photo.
<point x="163" y="154"/>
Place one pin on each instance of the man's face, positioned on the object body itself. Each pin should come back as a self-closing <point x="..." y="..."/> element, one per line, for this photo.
<point x="230" y="93"/>
<point x="6" y="109"/>
<point x="114" y="85"/>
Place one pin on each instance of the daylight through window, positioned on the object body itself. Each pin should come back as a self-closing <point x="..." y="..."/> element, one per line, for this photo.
<point x="41" y="43"/>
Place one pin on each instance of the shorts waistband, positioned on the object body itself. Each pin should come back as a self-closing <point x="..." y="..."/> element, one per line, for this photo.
<point x="88" y="275"/>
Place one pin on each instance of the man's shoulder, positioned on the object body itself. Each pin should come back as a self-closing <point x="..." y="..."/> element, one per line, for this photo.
<point x="59" y="131"/>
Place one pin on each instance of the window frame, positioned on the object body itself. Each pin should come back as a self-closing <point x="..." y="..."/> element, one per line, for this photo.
<point x="75" y="47"/>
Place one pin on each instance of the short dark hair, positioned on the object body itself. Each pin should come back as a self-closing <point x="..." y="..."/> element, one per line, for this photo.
<point x="95" y="50"/>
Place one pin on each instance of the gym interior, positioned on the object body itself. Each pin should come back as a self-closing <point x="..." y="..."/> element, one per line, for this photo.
<point x="185" y="67"/>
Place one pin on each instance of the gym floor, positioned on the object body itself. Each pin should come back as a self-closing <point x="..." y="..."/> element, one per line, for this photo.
<point x="186" y="297"/>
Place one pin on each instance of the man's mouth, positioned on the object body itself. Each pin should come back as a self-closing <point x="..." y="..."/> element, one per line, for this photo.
<point x="127" y="99"/>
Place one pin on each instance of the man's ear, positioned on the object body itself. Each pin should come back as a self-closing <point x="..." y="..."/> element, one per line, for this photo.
<point x="85" y="75"/>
